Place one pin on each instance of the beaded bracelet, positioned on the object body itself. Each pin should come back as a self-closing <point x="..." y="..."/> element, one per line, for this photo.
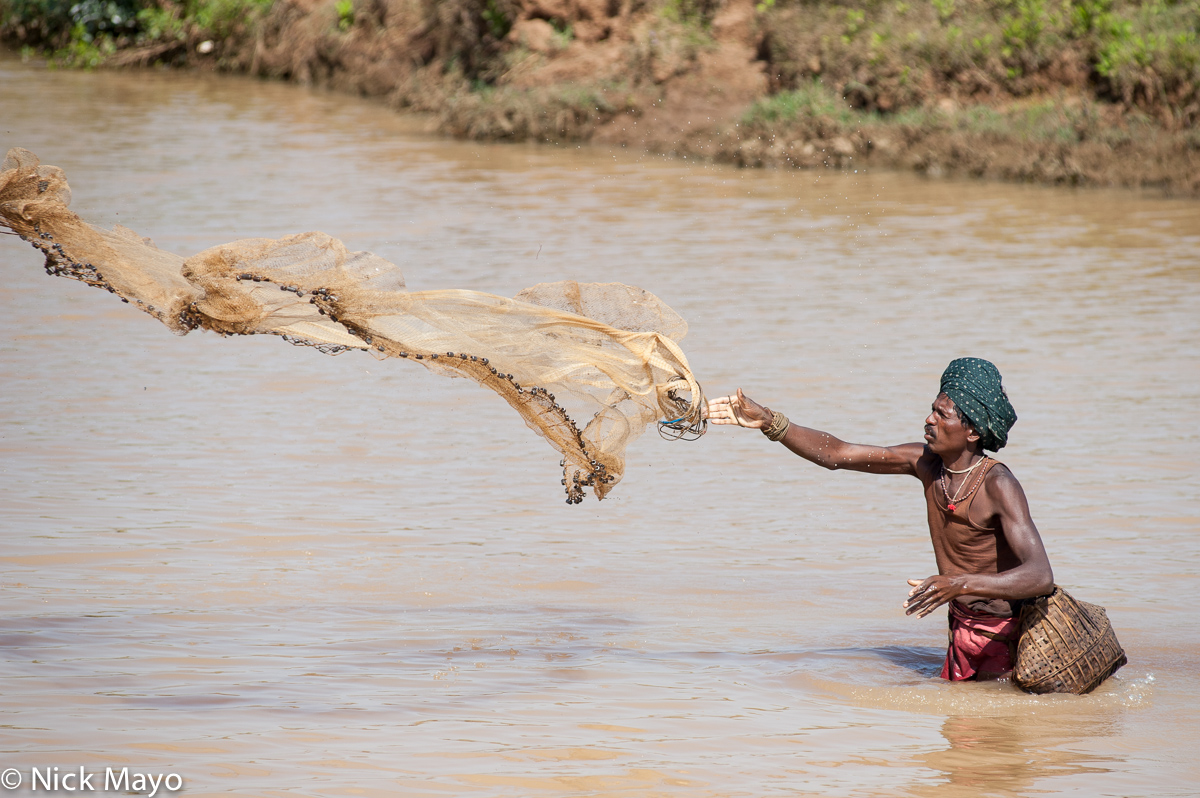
<point x="779" y="426"/>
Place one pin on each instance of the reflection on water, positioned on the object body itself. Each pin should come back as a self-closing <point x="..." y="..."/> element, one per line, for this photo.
<point x="270" y="570"/>
<point x="1009" y="756"/>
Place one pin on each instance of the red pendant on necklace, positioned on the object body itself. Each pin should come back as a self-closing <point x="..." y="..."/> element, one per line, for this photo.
<point x="950" y="507"/>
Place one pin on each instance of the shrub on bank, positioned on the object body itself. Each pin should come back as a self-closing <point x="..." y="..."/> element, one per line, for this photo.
<point x="84" y="33"/>
<point x="893" y="55"/>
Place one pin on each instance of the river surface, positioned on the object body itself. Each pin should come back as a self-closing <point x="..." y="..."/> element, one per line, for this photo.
<point x="274" y="572"/>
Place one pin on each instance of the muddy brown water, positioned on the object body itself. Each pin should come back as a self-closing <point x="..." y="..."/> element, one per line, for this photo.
<point x="275" y="572"/>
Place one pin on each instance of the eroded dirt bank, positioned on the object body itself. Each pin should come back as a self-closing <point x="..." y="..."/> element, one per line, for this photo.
<point x="813" y="85"/>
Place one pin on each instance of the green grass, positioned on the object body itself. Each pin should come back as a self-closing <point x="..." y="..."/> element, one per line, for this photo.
<point x="810" y="100"/>
<point x="818" y="110"/>
<point x="345" y="14"/>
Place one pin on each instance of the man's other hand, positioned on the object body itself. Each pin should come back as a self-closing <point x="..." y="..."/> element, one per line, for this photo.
<point x="929" y="594"/>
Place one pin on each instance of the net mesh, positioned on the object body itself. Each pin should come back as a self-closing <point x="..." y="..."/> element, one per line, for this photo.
<point x="588" y="366"/>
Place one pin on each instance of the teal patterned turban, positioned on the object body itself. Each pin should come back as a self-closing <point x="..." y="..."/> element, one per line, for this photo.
<point x="974" y="386"/>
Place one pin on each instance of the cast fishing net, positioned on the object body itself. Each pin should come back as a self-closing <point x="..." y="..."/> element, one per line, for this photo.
<point x="588" y="366"/>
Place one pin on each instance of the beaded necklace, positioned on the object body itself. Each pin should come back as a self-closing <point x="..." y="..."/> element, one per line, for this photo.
<point x="952" y="502"/>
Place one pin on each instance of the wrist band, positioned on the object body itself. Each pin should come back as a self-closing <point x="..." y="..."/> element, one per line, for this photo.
<point x="779" y="426"/>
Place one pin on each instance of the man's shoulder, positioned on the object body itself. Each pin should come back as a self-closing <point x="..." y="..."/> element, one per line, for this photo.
<point x="928" y="464"/>
<point x="1000" y="482"/>
<point x="998" y="474"/>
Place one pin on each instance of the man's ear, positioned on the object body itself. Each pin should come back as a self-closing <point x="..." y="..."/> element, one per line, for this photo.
<point x="972" y="435"/>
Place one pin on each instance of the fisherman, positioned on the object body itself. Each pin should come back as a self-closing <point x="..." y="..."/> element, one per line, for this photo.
<point x="988" y="551"/>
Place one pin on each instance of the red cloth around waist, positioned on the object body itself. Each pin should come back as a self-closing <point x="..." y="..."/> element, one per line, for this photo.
<point x="980" y="644"/>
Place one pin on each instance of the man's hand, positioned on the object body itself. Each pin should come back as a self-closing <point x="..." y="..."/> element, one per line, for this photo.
<point x="929" y="594"/>
<point x="740" y="410"/>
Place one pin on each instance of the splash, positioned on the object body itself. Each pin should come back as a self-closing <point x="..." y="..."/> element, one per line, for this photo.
<point x="608" y="350"/>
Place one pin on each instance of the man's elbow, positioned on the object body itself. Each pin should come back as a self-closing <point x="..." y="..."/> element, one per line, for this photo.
<point x="1045" y="582"/>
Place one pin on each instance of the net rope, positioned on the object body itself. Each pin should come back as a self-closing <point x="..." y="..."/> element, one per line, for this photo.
<point x="588" y="366"/>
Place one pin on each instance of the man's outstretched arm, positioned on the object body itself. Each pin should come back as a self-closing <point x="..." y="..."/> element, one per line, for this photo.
<point x="816" y="446"/>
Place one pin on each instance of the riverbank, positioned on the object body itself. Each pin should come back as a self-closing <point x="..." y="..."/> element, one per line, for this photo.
<point x="1091" y="92"/>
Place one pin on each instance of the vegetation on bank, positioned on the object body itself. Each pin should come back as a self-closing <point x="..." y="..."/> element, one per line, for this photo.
<point x="889" y="56"/>
<point x="86" y="33"/>
<point x="858" y="80"/>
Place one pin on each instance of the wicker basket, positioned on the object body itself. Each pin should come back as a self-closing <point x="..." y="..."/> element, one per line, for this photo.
<point x="1066" y="646"/>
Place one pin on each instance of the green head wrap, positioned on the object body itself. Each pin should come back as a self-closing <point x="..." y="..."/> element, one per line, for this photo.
<point x="974" y="386"/>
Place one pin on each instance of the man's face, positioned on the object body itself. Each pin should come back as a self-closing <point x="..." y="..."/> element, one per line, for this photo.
<point x="944" y="431"/>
